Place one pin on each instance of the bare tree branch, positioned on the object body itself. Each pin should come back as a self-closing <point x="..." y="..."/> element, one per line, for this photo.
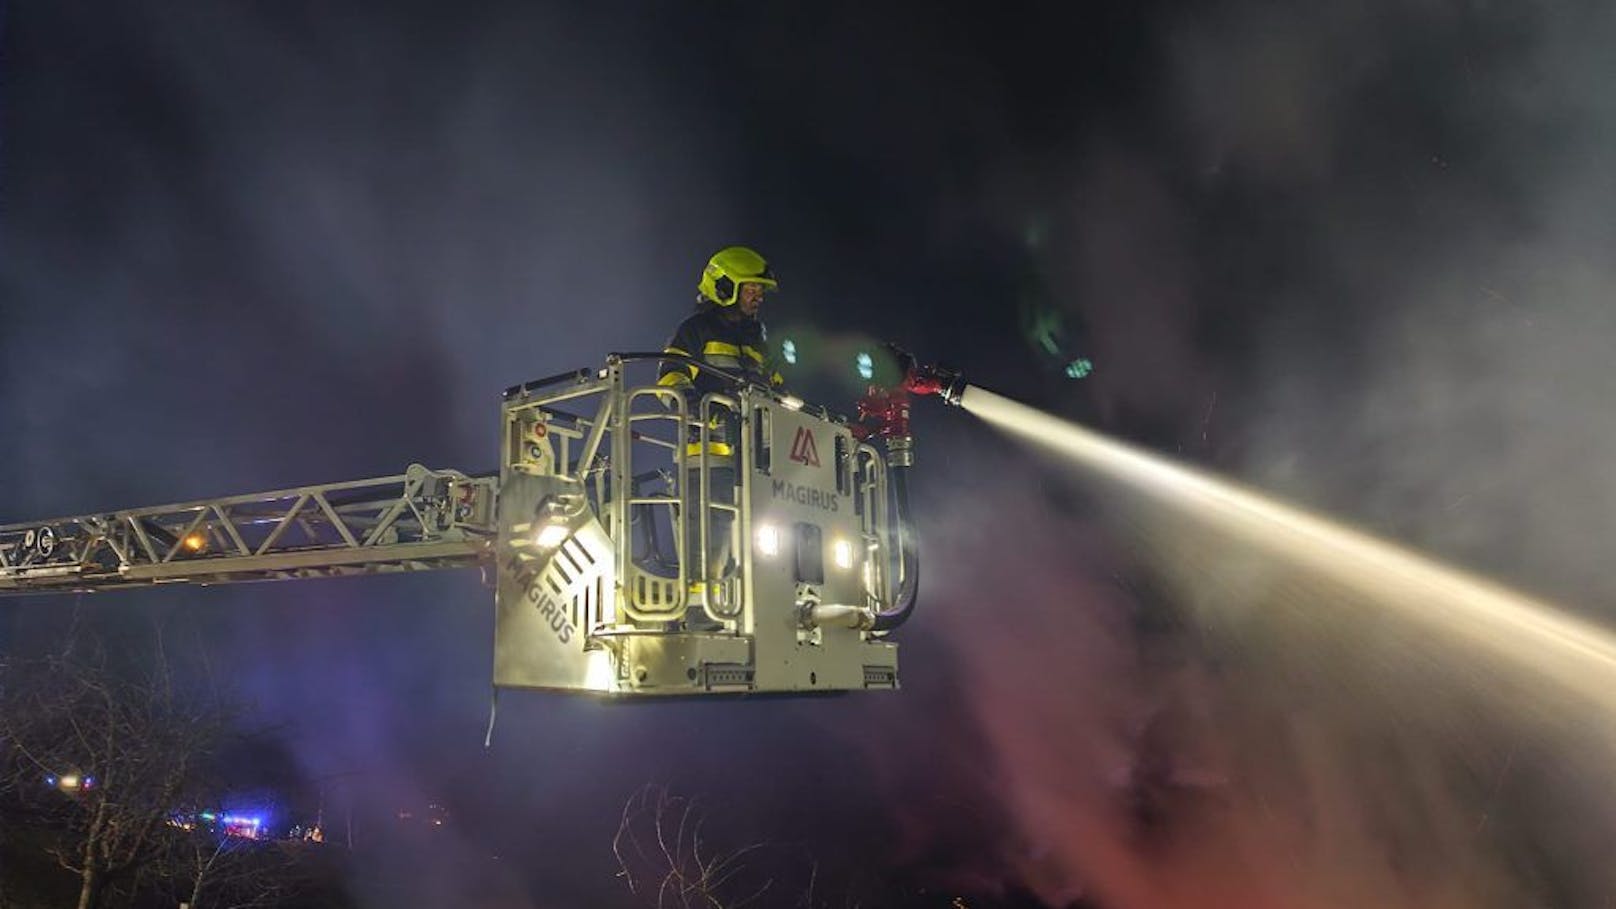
<point x="99" y="758"/>
<point x="683" y="870"/>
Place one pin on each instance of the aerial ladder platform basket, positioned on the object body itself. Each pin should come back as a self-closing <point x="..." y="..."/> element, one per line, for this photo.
<point x="640" y="541"/>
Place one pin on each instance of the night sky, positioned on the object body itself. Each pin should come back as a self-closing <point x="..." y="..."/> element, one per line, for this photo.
<point x="1358" y="255"/>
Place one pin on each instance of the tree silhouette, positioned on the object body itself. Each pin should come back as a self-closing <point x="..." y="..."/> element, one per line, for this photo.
<point x="96" y="755"/>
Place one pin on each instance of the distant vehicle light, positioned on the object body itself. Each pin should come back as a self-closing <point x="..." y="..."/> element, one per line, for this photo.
<point x="788" y="350"/>
<point x="68" y="781"/>
<point x="866" y="366"/>
<point x="1079" y="368"/>
<point x="842" y="554"/>
<point x="768" y="540"/>
<point x="243" y="826"/>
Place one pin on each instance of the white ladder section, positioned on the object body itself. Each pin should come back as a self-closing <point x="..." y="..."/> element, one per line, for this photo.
<point x="420" y="520"/>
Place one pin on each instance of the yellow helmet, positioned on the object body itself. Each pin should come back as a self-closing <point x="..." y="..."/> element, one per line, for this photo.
<point x="728" y="269"/>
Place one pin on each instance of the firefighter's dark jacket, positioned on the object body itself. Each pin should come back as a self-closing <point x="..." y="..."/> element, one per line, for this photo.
<point x="739" y="347"/>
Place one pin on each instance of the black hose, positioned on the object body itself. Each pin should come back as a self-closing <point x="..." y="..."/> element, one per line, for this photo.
<point x="638" y="355"/>
<point x="571" y="375"/>
<point x="904" y="605"/>
<point x="583" y="375"/>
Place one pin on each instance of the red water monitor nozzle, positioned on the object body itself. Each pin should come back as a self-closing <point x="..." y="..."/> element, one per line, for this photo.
<point x="933" y="379"/>
<point x="883" y="411"/>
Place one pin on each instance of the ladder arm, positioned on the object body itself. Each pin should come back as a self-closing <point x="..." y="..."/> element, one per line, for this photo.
<point x="419" y="520"/>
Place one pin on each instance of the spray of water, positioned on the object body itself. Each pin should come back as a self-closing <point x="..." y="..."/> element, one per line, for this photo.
<point x="1527" y="633"/>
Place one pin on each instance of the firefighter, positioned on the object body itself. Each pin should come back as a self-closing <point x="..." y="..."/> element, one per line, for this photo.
<point x="726" y="333"/>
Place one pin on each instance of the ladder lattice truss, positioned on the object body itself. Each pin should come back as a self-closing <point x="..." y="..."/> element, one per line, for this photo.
<point x="420" y="520"/>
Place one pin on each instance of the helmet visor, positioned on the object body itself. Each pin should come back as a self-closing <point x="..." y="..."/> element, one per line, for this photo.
<point x="766" y="278"/>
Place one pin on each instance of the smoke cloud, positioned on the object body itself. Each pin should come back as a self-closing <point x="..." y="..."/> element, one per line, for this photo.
<point x="1355" y="256"/>
<point x="1363" y="247"/>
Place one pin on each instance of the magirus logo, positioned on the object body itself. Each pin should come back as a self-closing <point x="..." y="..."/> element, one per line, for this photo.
<point x="803" y="448"/>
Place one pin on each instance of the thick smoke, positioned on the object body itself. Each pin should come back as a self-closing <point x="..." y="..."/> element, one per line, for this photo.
<point x="257" y="247"/>
<point x="1473" y="423"/>
<point x="1353" y="255"/>
<point x="1377" y="236"/>
<point x="254" y="247"/>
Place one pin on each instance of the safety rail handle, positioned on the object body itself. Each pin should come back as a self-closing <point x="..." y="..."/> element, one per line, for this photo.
<point x="709" y="402"/>
<point x="875" y="523"/>
<point x="677" y="413"/>
<point x="602" y="436"/>
<point x="590" y="414"/>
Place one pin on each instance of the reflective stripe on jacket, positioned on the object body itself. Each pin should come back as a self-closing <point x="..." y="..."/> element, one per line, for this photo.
<point x="739" y="347"/>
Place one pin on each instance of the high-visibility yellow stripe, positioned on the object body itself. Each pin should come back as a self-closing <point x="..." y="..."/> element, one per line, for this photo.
<point x="720" y="348"/>
<point x="752" y="352"/>
<point x="716" y="449"/>
<point x="674" y="378"/>
<point x="682" y="353"/>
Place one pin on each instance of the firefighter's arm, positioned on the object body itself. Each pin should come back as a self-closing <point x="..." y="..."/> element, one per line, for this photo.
<point x="770" y="366"/>
<point x="677" y="373"/>
<point x="763" y="361"/>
